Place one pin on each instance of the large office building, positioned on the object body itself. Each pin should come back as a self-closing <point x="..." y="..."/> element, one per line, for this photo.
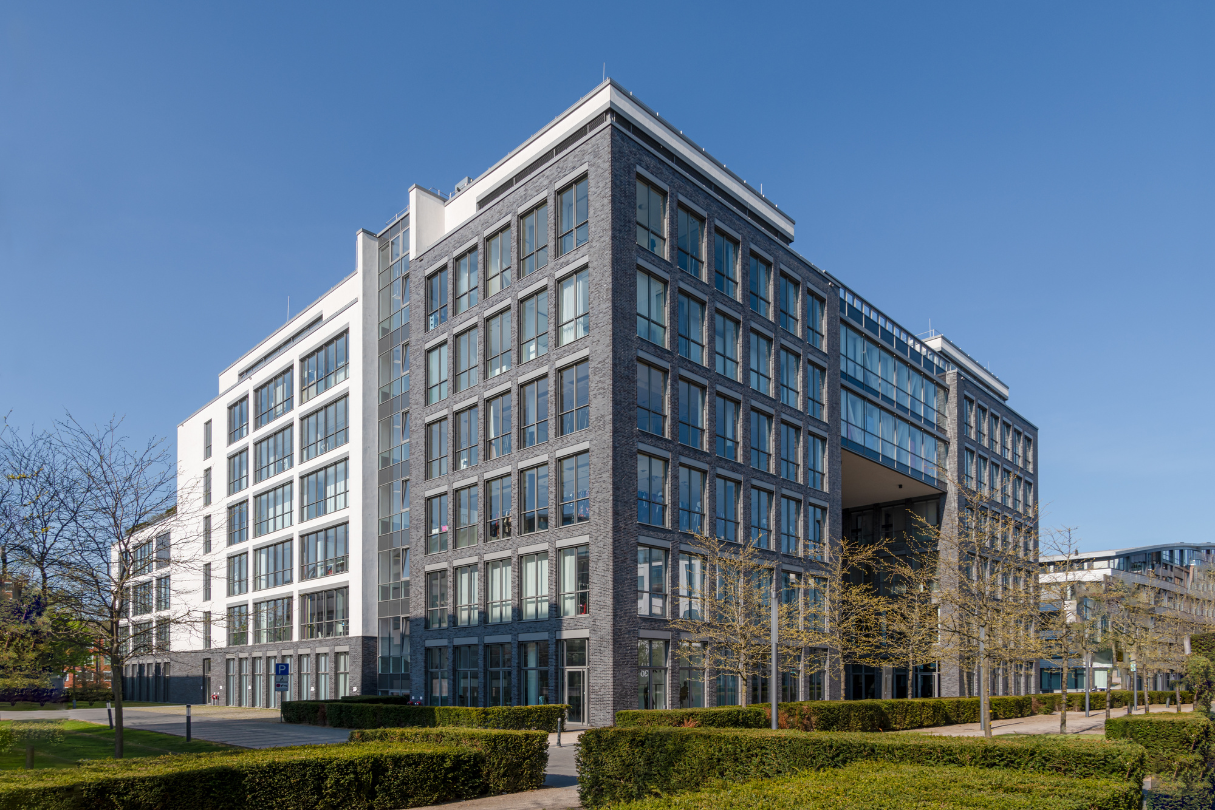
<point x="472" y="470"/>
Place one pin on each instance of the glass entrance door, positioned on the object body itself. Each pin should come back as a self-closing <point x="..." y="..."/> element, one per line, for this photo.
<point x="575" y="694"/>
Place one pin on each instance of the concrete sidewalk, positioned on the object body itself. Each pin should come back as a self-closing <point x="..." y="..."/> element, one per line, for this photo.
<point x="1077" y="723"/>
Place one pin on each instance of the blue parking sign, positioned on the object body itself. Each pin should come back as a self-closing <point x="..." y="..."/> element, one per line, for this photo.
<point x="282" y="674"/>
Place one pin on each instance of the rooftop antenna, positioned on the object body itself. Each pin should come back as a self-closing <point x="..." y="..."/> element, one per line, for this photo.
<point x="288" y="307"/>
<point x="604" y="79"/>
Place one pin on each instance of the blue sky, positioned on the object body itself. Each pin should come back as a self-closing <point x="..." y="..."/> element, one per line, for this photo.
<point x="1036" y="178"/>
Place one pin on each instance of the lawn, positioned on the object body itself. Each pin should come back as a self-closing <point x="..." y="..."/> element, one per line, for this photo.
<point x="91" y="741"/>
<point x="23" y="706"/>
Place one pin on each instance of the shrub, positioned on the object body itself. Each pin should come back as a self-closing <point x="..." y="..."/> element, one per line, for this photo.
<point x="349" y="714"/>
<point x="388" y="700"/>
<point x="726" y="717"/>
<point x="302" y="778"/>
<point x="1178" y="745"/>
<point x="514" y="760"/>
<point x="871" y="784"/>
<point x="623" y="764"/>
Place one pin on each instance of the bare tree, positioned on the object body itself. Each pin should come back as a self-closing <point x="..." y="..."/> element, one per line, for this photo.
<point x="122" y="540"/>
<point x="725" y="618"/>
<point x="912" y="613"/>
<point x="1065" y="626"/>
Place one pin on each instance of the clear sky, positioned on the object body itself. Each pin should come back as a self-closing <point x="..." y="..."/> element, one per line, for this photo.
<point x="1034" y="177"/>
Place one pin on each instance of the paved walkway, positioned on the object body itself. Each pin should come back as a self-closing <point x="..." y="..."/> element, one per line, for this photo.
<point x="1077" y="723"/>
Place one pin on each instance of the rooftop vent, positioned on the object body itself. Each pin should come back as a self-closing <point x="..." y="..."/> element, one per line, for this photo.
<point x="463" y="184"/>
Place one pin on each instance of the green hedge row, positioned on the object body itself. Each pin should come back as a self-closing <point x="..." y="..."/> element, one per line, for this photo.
<point x="325" y="777"/>
<point x="514" y="760"/>
<point x="349" y="714"/>
<point x="626" y="764"/>
<point x="914" y="787"/>
<point x="874" y="715"/>
<point x="1178" y="745"/>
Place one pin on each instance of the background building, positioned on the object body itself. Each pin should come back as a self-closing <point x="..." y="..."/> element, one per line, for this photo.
<point x="616" y="347"/>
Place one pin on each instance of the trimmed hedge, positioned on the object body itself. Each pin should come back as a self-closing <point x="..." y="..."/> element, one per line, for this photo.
<point x="872" y="784"/>
<point x="348" y="714"/>
<point x="513" y="760"/>
<point x="724" y="717"/>
<point x="1177" y="744"/>
<point x="626" y="764"/>
<point x="326" y="777"/>
<point x="388" y="700"/>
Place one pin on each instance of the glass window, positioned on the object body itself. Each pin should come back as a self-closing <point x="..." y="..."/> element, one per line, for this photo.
<point x="497" y="270"/>
<point x="436" y="523"/>
<point x="651" y="308"/>
<point x="727" y="509"/>
<point x="436" y="601"/>
<point x="575" y="383"/>
<point x="497" y="583"/>
<point x="238" y="420"/>
<point x="816" y="468"/>
<point x="498" y="426"/>
<point x="272" y="566"/>
<point x="394" y="439"/>
<point x="238" y="523"/>
<point x="238" y="634"/>
<point x="466" y="516"/>
<point x="816" y="330"/>
<point x="535" y="586"/>
<point x="274" y="398"/>
<point x="207" y="439"/>
<point x="535" y="499"/>
<point x="238" y="472"/>
<point x="788" y="367"/>
<point x="497" y="671"/>
<point x="574" y="302"/>
<point x="761" y="363"/>
<point x="814" y="391"/>
<point x="651" y="399"/>
<point x="436" y="448"/>
<point x="651" y="490"/>
<point x="691" y="241"/>
<point x="394" y="282"/>
<point x="394" y="372"/>
<point x="467" y="374"/>
<point x="982" y="424"/>
<point x="437" y="675"/>
<point x="533" y="327"/>
<point x="393" y="574"/>
<point x="498" y="508"/>
<point x="272" y="621"/>
<point x="467" y="442"/>
<point x="968" y="416"/>
<point x="272" y="510"/>
<point x="238" y="583"/>
<point x="1029" y="454"/>
<point x="533" y="399"/>
<point x="691" y="587"/>
<point x="497" y="344"/>
<point x="574" y="567"/>
<point x="534" y="662"/>
<point x="691" y="676"/>
<point x="651" y="581"/>
<point x="324" y="429"/>
<point x="651" y="217"/>
<point x="761" y="441"/>
<point x="725" y="264"/>
<point x="324" y="491"/>
<point x="691" y="317"/>
<point x="691" y="414"/>
<point x="652" y="673"/>
<point x="393" y="643"/>
<point x="467" y="614"/>
<point x="533" y="240"/>
<point x="790" y="452"/>
<point x="273" y="455"/>
<point x="575" y="489"/>
<point x="968" y="469"/>
<point x="790" y="304"/>
<point x="761" y="518"/>
<point x="436" y="299"/>
<point x="467" y="671"/>
<point x="324" y="368"/>
<point x="727" y="428"/>
<point x="790" y="526"/>
<point x="436" y="374"/>
<point x="725" y="345"/>
<point x="816" y="521"/>
<point x="691" y="500"/>
<point x="394" y="506"/>
<point x="761" y="286"/>
<point x="573" y="212"/>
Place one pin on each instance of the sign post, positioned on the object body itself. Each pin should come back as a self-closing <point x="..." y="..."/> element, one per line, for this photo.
<point x="282" y="683"/>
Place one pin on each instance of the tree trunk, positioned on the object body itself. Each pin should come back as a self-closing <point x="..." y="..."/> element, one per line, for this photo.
<point x="1107" y="693"/>
<point x="984" y="713"/>
<point x="1063" y="692"/>
<point x="1088" y="683"/>
<point x="1177" y="692"/>
<point x="1147" y="708"/>
<point x="116" y="679"/>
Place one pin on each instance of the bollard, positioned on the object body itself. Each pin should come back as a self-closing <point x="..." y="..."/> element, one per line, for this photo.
<point x="559" y="719"/>
<point x="109" y="713"/>
<point x="73" y="703"/>
<point x="187" y="722"/>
